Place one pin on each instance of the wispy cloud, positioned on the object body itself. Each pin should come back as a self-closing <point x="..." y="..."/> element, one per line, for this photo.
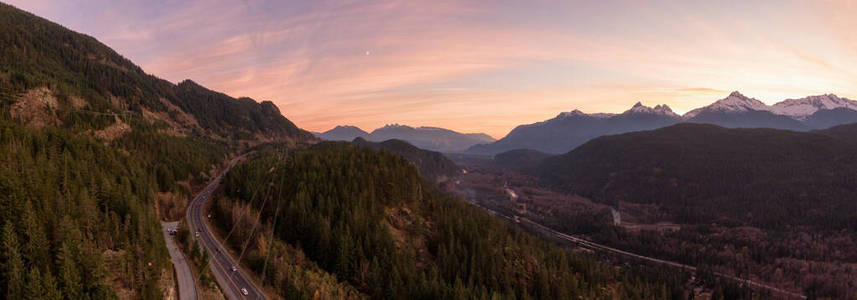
<point x="476" y="67"/>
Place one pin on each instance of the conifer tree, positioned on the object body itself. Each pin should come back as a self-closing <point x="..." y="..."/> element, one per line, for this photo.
<point x="69" y="274"/>
<point x="52" y="291"/>
<point x="34" y="290"/>
<point x="13" y="266"/>
<point x="37" y="245"/>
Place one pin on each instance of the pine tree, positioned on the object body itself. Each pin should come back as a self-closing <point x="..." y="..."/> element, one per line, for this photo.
<point x="37" y="242"/>
<point x="52" y="292"/>
<point x="13" y="266"/>
<point x="34" y="290"/>
<point x="69" y="274"/>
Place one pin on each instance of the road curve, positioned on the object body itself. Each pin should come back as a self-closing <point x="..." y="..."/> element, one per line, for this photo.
<point x="187" y="286"/>
<point x="231" y="282"/>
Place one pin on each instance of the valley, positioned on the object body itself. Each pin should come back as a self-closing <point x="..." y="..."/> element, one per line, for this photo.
<point x="632" y="211"/>
<point x="116" y="183"/>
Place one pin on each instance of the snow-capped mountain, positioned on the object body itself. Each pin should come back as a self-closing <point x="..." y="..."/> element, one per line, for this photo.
<point x="735" y="102"/>
<point x="739" y="111"/>
<point x="813" y="112"/>
<point x="660" y="109"/>
<point x="578" y="113"/>
<point x="805" y="107"/>
<point x="570" y="129"/>
<point x="796" y="108"/>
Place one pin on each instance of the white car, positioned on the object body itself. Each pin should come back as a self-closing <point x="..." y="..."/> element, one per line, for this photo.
<point x="234" y="268"/>
<point x="244" y="291"/>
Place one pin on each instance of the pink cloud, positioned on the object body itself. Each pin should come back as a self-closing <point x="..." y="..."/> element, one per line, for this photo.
<point x="475" y="67"/>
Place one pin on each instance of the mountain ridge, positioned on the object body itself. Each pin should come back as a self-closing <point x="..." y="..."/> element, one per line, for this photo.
<point x="424" y="137"/>
<point x="570" y="129"/>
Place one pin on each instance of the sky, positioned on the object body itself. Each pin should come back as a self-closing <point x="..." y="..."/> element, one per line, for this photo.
<point x="478" y="66"/>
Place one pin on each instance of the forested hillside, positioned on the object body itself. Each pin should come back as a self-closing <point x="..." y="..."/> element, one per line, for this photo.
<point x="703" y="173"/>
<point x="93" y="152"/>
<point x="760" y="203"/>
<point x="86" y="83"/>
<point x="78" y="217"/>
<point x="432" y="165"/>
<point x="368" y="219"/>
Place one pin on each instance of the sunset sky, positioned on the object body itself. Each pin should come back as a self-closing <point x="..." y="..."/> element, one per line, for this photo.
<point x="478" y="66"/>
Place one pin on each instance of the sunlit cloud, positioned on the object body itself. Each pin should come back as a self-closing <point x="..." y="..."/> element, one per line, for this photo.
<point x="474" y="67"/>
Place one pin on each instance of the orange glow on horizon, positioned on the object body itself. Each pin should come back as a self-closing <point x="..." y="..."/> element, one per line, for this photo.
<point x="472" y="67"/>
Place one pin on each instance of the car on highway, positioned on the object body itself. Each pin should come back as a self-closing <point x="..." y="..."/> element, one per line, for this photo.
<point x="244" y="291"/>
<point x="234" y="268"/>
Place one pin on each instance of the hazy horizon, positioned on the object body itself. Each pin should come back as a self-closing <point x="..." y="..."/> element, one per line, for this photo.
<point x="477" y="68"/>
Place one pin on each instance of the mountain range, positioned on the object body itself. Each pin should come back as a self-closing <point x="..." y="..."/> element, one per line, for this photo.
<point x="571" y="129"/>
<point x="96" y="153"/>
<point x="429" y="138"/>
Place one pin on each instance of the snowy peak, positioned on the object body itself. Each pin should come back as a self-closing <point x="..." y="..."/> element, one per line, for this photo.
<point x="572" y="113"/>
<point x="660" y="109"/>
<point x="578" y="113"/>
<point x="664" y="109"/>
<point x="638" y="108"/>
<point x="804" y="107"/>
<point x="735" y="102"/>
<point x="395" y="126"/>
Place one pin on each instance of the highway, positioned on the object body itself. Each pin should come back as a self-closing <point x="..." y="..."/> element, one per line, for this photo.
<point x="602" y="248"/>
<point x="221" y="262"/>
<point x="184" y="276"/>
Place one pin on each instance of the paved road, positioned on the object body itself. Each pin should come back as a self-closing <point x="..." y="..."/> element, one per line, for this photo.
<point x="231" y="282"/>
<point x="187" y="286"/>
<point x="598" y="247"/>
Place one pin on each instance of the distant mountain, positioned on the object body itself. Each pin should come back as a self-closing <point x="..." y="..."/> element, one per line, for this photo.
<point x="342" y="133"/>
<point x="570" y="129"/>
<point x="739" y="111"/>
<point x="734" y="103"/>
<point x="430" y="164"/>
<point x="813" y="112"/>
<point x="702" y="173"/>
<point x="429" y="138"/>
<point x="805" y="107"/>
